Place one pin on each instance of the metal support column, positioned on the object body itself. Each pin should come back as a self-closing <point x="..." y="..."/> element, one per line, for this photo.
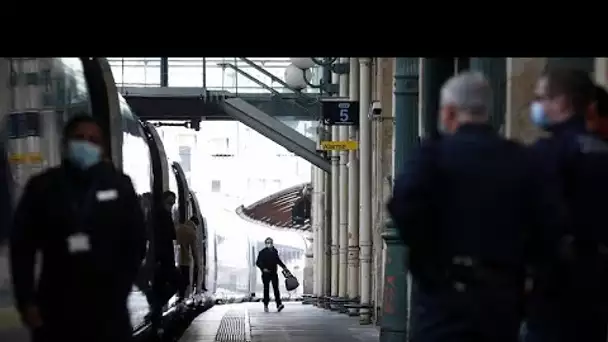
<point x="394" y="324"/>
<point x="314" y="211"/>
<point x="326" y="202"/>
<point x="309" y="269"/>
<point x="365" y="195"/>
<point x="435" y="72"/>
<point x="406" y="109"/>
<point x="321" y="226"/>
<point x="353" y="197"/>
<point x="343" y="216"/>
<point x="335" y="209"/>
<point x="495" y="69"/>
<point x="394" y="316"/>
<point x="164" y="71"/>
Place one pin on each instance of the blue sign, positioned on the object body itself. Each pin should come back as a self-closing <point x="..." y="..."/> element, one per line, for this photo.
<point x="341" y="113"/>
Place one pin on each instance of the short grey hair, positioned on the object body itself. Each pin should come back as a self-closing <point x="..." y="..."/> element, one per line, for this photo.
<point x="470" y="92"/>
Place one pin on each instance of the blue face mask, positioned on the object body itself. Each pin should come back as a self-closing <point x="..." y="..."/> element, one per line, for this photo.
<point x="539" y="116"/>
<point x="83" y="153"/>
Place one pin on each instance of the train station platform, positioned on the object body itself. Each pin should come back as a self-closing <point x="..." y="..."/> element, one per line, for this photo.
<point x="247" y="322"/>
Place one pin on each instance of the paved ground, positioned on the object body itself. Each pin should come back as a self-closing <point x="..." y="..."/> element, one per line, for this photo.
<point x="296" y="323"/>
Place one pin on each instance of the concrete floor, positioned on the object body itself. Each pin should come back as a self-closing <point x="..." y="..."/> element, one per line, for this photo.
<point x="296" y="323"/>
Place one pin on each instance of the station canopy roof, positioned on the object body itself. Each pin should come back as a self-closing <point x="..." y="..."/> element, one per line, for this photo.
<point x="275" y="210"/>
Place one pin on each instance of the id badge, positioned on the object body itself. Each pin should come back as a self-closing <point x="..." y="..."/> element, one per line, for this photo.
<point x="79" y="243"/>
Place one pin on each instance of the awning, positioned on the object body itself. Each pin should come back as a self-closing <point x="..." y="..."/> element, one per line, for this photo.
<point x="275" y="211"/>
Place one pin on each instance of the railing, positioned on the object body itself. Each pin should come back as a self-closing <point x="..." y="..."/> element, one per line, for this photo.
<point x="202" y="72"/>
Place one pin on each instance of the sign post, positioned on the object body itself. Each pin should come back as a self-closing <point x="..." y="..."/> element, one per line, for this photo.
<point x="340" y="112"/>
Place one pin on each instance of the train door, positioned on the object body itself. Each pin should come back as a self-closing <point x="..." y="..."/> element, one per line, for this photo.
<point x="184" y="205"/>
<point x="159" y="169"/>
<point x="184" y="193"/>
<point x="206" y="273"/>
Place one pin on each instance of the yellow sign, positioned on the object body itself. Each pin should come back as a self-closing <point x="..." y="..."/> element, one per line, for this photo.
<point x="339" y="145"/>
<point x="25" y="158"/>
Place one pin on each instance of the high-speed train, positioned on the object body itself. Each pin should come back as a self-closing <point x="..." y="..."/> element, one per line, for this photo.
<point x="39" y="96"/>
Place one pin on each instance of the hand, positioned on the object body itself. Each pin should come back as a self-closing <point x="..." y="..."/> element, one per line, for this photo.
<point x="266" y="270"/>
<point x="32" y="317"/>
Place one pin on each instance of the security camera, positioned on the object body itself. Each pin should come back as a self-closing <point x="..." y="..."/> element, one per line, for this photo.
<point x="376" y="109"/>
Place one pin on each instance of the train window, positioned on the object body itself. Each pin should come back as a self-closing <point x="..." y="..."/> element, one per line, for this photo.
<point x="185" y="157"/>
<point x="40" y="95"/>
<point x="136" y="154"/>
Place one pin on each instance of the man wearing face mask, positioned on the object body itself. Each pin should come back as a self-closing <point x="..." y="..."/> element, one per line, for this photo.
<point x="471" y="211"/>
<point x="85" y="219"/>
<point x="569" y="298"/>
<point x="267" y="262"/>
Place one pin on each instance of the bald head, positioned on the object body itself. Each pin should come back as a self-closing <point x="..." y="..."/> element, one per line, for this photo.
<point x="465" y="97"/>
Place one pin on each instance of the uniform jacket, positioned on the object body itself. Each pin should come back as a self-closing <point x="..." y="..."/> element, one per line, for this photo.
<point x="576" y="162"/>
<point x="60" y="202"/>
<point x="269" y="259"/>
<point x="474" y="194"/>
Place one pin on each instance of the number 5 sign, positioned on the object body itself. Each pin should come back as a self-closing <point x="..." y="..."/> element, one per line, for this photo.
<point x="340" y="112"/>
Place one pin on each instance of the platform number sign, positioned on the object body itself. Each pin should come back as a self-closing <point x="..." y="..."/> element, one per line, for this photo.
<point x="341" y="113"/>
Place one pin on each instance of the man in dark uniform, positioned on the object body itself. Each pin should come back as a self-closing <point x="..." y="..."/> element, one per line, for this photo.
<point x="569" y="299"/>
<point x="267" y="262"/>
<point x="85" y="220"/>
<point x="471" y="211"/>
<point x="166" y="276"/>
<point x="146" y="273"/>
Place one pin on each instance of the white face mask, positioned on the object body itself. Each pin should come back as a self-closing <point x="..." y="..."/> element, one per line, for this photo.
<point x="268" y="245"/>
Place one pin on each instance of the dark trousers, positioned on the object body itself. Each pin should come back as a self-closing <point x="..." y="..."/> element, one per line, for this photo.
<point x="478" y="314"/>
<point x="165" y="285"/>
<point x="570" y="305"/>
<point x="273" y="278"/>
<point x="184" y="271"/>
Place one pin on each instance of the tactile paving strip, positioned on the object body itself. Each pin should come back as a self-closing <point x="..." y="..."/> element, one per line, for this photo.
<point x="234" y="327"/>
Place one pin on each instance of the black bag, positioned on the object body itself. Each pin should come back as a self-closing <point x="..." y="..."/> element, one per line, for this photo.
<point x="291" y="282"/>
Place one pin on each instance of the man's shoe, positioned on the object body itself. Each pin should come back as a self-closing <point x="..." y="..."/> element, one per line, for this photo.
<point x="280" y="308"/>
<point x="265" y="309"/>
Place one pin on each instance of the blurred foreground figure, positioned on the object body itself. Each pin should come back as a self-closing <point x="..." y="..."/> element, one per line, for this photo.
<point x="570" y="295"/>
<point x="472" y="213"/>
<point x="85" y="220"/>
